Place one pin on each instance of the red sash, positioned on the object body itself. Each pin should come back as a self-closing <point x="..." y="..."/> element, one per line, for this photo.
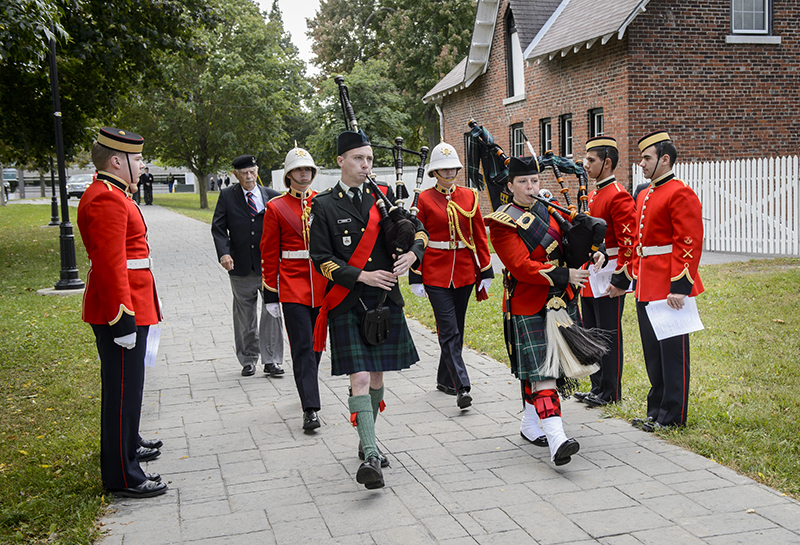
<point x="337" y="294"/>
<point x="288" y="214"/>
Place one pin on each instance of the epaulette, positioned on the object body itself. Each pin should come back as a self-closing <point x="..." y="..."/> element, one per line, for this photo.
<point x="501" y="215"/>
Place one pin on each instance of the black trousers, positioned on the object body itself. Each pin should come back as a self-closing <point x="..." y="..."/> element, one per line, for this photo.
<point x="667" y="364"/>
<point x="148" y="194"/>
<point x="122" y="378"/>
<point x="606" y="313"/>
<point x="449" y="309"/>
<point x="300" y="320"/>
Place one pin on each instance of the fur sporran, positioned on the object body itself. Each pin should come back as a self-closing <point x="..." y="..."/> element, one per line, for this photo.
<point x="375" y="324"/>
<point x="576" y="350"/>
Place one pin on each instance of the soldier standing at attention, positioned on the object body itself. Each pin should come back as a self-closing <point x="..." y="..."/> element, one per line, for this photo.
<point x="669" y="241"/>
<point x="349" y="249"/>
<point x="611" y="202"/>
<point x="120" y="302"/>
<point x="457" y="258"/>
<point x="289" y="276"/>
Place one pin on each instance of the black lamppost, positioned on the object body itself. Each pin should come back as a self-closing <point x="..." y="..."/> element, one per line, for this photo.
<point x="69" y="267"/>
<point x="54" y="222"/>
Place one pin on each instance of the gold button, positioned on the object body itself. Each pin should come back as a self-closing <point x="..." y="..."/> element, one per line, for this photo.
<point x="370" y="260"/>
<point x="345" y="231"/>
<point x="362" y="229"/>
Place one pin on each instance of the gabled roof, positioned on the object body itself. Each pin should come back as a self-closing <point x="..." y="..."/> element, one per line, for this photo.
<point x="528" y="16"/>
<point x="578" y="23"/>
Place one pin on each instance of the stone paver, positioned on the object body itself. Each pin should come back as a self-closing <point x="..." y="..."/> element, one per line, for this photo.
<point x="241" y="470"/>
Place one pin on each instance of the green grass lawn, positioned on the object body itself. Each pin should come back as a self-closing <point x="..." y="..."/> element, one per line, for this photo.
<point x="50" y="385"/>
<point x="188" y="204"/>
<point x="745" y="378"/>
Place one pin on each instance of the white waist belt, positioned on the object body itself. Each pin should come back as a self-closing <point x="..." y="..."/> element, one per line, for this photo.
<point x="612" y="252"/>
<point x="145" y="263"/>
<point x="299" y="254"/>
<point x="446" y="245"/>
<point x="644" y="251"/>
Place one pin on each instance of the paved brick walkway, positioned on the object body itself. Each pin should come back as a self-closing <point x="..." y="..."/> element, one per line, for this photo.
<point x="241" y="471"/>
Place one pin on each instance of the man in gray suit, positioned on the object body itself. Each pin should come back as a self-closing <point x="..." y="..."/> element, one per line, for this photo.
<point x="236" y="228"/>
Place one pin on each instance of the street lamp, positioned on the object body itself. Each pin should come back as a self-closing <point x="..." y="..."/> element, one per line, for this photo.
<point x="70" y="280"/>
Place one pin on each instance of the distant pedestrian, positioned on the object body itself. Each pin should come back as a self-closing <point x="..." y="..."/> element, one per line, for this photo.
<point x="146" y="186"/>
<point x="236" y="227"/>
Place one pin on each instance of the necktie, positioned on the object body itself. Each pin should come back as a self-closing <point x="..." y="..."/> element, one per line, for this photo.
<point x="356" y="192"/>
<point x="251" y="202"/>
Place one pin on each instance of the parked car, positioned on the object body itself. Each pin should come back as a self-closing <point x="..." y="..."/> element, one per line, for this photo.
<point x="77" y="184"/>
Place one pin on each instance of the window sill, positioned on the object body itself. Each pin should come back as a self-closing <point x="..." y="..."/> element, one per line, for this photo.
<point x="752" y="39"/>
<point x="514" y="99"/>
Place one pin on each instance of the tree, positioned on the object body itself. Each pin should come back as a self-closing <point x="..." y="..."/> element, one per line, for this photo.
<point x="230" y="101"/>
<point x="108" y="42"/>
<point x="378" y="107"/>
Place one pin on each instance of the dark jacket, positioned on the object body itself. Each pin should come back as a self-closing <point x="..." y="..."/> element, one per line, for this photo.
<point x="236" y="232"/>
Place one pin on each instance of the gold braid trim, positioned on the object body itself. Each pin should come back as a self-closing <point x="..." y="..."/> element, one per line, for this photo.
<point x="304" y="220"/>
<point x="455" y="226"/>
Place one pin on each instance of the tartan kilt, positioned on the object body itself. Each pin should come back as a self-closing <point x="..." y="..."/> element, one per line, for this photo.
<point x="350" y="354"/>
<point x="530" y="343"/>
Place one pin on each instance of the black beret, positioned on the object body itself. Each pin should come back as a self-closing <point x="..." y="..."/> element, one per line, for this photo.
<point x="351" y="140"/>
<point x="120" y="140"/>
<point x="522" y="166"/>
<point x="244" y="161"/>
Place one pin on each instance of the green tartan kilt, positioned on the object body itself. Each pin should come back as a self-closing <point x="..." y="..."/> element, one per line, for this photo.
<point x="530" y="343"/>
<point x="350" y="354"/>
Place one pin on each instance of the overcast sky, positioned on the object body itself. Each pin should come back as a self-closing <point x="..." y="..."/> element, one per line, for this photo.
<point x="294" y="14"/>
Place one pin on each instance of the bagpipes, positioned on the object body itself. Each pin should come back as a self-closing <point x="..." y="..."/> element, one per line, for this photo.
<point x="400" y="191"/>
<point x="399" y="231"/>
<point x="583" y="234"/>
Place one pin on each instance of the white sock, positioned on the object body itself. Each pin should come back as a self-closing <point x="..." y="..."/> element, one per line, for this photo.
<point x="529" y="426"/>
<point x="554" y="429"/>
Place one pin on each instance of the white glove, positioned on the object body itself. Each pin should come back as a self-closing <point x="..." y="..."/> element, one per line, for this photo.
<point x="485" y="283"/>
<point x="128" y="341"/>
<point x="418" y="289"/>
<point x="274" y="309"/>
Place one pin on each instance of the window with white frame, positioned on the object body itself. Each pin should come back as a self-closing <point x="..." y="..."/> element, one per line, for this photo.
<point x="596" y="122"/>
<point x="566" y="135"/>
<point x="750" y="16"/>
<point x="546" y="134"/>
<point x="517" y="140"/>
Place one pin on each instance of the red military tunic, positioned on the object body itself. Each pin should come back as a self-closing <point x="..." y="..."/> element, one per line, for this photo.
<point x="120" y="289"/>
<point x="452" y="217"/>
<point x="287" y="272"/>
<point x="534" y="271"/>
<point x="612" y="203"/>
<point x="669" y="239"/>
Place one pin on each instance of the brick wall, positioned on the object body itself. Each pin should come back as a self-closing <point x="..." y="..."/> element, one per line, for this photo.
<point x="672" y="70"/>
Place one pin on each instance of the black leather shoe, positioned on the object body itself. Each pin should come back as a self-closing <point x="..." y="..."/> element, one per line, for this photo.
<point x="594" y="400"/>
<point x="369" y="474"/>
<point x="540" y="441"/>
<point x="640" y="422"/>
<point x="273" y="369"/>
<point x="148" y="443"/>
<point x="384" y="460"/>
<point x="249" y="370"/>
<point x="449" y="390"/>
<point x="310" y="420"/>
<point x="650" y="427"/>
<point x="147" y="489"/>
<point x="565" y="452"/>
<point x="147" y="454"/>
<point x="155" y="477"/>
<point x="463" y="399"/>
<point x="580" y="396"/>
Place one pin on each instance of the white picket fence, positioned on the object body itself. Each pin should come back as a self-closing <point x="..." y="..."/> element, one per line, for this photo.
<point x="749" y="205"/>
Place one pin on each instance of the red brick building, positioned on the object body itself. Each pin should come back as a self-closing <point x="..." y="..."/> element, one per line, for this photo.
<point x="721" y="76"/>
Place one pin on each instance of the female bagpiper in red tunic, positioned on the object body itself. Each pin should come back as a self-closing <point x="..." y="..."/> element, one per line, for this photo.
<point x="457" y="259"/>
<point x="528" y="241"/>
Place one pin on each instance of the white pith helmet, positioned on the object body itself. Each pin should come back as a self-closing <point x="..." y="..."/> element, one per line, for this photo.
<point x="296" y="158"/>
<point x="443" y="156"/>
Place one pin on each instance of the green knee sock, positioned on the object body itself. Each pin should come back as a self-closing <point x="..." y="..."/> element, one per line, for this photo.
<point x="361" y="406"/>
<point x="376" y="396"/>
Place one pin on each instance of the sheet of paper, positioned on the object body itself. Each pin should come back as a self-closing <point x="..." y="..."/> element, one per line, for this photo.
<point x="668" y="322"/>
<point x="153" y="338"/>
<point x="600" y="280"/>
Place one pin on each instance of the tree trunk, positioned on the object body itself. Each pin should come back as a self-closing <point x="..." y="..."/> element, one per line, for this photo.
<point x="200" y="178"/>
<point x="41" y="184"/>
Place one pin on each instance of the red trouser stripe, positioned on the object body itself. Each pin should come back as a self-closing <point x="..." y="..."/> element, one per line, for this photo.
<point x="121" y="403"/>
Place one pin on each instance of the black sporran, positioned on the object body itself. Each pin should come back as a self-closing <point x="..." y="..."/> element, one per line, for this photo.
<point x="375" y="324"/>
